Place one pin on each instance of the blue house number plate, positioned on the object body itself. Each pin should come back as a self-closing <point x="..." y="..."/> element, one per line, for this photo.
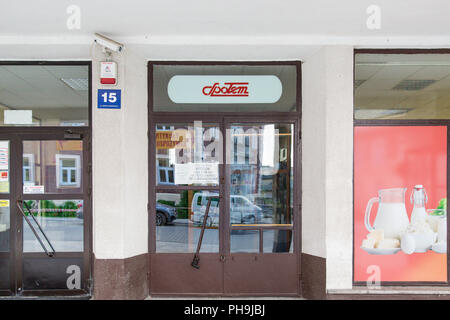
<point x="108" y="98"/>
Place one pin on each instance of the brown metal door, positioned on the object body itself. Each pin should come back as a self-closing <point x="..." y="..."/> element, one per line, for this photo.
<point x="261" y="188"/>
<point x="49" y="201"/>
<point x="177" y="206"/>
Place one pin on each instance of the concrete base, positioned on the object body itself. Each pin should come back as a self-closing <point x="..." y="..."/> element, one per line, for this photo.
<point x="313" y="277"/>
<point x="121" y="279"/>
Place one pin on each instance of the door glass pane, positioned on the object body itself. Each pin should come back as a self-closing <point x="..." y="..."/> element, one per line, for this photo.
<point x="278" y="241"/>
<point x="261" y="161"/>
<point x="53" y="166"/>
<point x="4" y="244"/>
<point x="244" y="240"/>
<point x="61" y="221"/>
<point x="179" y="217"/>
<point x="44" y="95"/>
<point x="188" y="154"/>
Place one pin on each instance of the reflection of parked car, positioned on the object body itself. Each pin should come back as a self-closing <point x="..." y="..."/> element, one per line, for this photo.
<point x="165" y="214"/>
<point x="242" y="210"/>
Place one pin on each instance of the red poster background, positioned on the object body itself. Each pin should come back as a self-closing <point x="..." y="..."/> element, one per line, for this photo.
<point x="392" y="157"/>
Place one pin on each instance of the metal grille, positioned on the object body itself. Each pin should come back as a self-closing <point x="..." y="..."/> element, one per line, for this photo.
<point x="413" y="85"/>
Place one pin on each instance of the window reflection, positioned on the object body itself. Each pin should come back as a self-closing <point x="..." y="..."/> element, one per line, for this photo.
<point x="52" y="166"/>
<point x="261" y="174"/>
<point x="62" y="222"/>
<point x="179" y="217"/>
<point x="188" y="154"/>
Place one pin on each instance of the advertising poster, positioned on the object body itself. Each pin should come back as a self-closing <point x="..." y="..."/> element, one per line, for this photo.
<point x="400" y="183"/>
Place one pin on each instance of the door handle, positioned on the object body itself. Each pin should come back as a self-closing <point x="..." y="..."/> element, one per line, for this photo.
<point x="19" y="203"/>
<point x="196" y="258"/>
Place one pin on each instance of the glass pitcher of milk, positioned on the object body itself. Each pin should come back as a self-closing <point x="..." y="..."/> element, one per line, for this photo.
<point x="391" y="215"/>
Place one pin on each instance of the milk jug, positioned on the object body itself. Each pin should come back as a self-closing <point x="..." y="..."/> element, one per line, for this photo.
<point x="391" y="215"/>
<point x="418" y="198"/>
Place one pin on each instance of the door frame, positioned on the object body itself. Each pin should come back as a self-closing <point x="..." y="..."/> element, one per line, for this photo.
<point x="51" y="133"/>
<point x="221" y="119"/>
<point x="16" y="224"/>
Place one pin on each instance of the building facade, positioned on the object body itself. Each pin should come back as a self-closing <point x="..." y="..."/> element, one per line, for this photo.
<point x="300" y="152"/>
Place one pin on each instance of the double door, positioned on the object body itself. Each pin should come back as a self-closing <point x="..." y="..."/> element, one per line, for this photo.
<point x="44" y="213"/>
<point x="232" y="185"/>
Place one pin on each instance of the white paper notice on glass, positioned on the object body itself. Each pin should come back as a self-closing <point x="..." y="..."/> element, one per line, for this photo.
<point x="196" y="173"/>
<point x="33" y="189"/>
<point x="18" y="117"/>
<point x="4" y="155"/>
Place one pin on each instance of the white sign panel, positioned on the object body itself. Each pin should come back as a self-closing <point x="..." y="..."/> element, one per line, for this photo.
<point x="33" y="189"/>
<point x="18" y="116"/>
<point x="196" y="173"/>
<point x="224" y="89"/>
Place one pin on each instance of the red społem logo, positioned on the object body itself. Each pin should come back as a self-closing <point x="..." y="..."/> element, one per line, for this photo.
<point x="228" y="89"/>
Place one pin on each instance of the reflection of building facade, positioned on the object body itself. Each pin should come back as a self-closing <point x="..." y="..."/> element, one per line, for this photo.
<point x="54" y="165"/>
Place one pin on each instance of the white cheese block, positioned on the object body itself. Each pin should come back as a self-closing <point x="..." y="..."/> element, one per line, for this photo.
<point x="388" y="243"/>
<point x="368" y="243"/>
<point x="376" y="235"/>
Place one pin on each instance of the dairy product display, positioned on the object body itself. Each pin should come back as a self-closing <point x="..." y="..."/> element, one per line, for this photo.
<point x="376" y="240"/>
<point x="393" y="230"/>
<point x="440" y="247"/>
<point x="368" y="243"/>
<point x="418" y="214"/>
<point x="420" y="226"/>
<point x="419" y="198"/>
<point x="389" y="243"/>
<point x="442" y="230"/>
<point x="392" y="218"/>
<point x="376" y="235"/>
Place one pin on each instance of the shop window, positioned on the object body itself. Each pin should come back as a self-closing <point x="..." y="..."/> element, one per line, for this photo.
<point x="225" y="88"/>
<point x="44" y="95"/>
<point x="402" y="86"/>
<point x="28" y="169"/>
<point x="400" y="168"/>
<point x="68" y="170"/>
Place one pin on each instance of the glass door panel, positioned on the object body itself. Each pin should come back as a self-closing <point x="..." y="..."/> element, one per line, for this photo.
<point x="60" y="220"/>
<point x="261" y="168"/>
<point x="188" y="154"/>
<point x="5" y="218"/>
<point x="53" y="215"/>
<point x="52" y="166"/>
<point x="179" y="218"/>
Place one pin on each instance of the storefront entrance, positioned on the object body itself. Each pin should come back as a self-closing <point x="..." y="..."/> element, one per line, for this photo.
<point x="45" y="179"/>
<point x="229" y="182"/>
<point x="45" y="199"/>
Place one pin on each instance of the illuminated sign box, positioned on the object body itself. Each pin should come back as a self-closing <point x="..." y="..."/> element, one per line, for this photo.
<point x="212" y="89"/>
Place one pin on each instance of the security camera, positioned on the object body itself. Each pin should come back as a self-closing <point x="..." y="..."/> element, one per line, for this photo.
<point x="108" y="43"/>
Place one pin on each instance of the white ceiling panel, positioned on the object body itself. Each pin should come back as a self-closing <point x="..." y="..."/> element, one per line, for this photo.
<point x="41" y="86"/>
